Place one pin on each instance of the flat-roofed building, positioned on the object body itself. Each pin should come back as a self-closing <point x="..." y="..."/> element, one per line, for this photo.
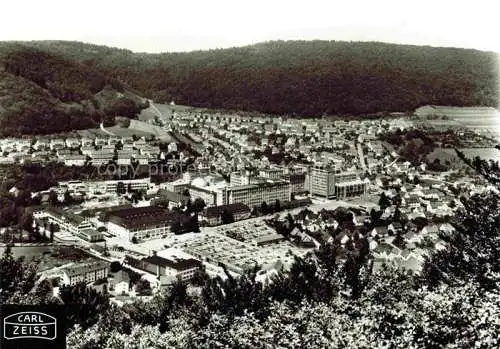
<point x="176" y="268"/>
<point x="140" y="222"/>
<point x="211" y="190"/>
<point x="177" y="186"/>
<point x="350" y="188"/>
<point x="124" y="157"/>
<point x="297" y="182"/>
<point x="348" y="184"/>
<point x="107" y="147"/>
<point x="272" y="173"/>
<point x="322" y="181"/>
<point x="66" y="221"/>
<point x="141" y="159"/>
<point x="208" y="195"/>
<point x="239" y="178"/>
<point x="90" y="235"/>
<point x="254" y="195"/>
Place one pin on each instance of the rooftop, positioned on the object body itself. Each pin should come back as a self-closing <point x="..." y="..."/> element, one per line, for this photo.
<point x="135" y="217"/>
<point x="177" y="264"/>
<point x="216" y="211"/>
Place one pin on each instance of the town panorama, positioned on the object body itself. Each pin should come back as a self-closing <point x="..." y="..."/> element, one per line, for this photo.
<point x="195" y="227"/>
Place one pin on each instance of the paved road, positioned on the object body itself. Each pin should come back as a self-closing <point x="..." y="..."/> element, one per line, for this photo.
<point x="106" y="131"/>
<point x="154" y="108"/>
<point x="389" y="165"/>
<point x="361" y="157"/>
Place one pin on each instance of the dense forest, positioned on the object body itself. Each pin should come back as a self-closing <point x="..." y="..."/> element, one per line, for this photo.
<point x="308" y="78"/>
<point x="46" y="93"/>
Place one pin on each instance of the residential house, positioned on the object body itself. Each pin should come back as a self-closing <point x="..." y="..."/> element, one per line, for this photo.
<point x="119" y="284"/>
<point x="57" y="143"/>
<point x="73" y="143"/>
<point x="86" y="142"/>
<point x="41" y="144"/>
<point x="141" y="159"/>
<point x="74" y="160"/>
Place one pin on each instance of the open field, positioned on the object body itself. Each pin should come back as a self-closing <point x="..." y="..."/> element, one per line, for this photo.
<point x="447" y="157"/>
<point x="487" y="125"/>
<point x="116" y="130"/>
<point x="483" y="153"/>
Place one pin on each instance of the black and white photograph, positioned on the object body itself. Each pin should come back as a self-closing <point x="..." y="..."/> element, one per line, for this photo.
<point x="258" y="174"/>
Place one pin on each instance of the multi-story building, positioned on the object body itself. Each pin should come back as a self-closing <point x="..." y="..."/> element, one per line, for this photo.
<point x="348" y="184"/>
<point x="254" y="195"/>
<point x="175" y="268"/>
<point x="108" y="148"/>
<point x="66" y="221"/>
<point x="84" y="272"/>
<point x="140" y="222"/>
<point x="124" y="157"/>
<point x="322" y="181"/>
<point x="239" y="178"/>
<point x="177" y="186"/>
<point x="208" y="195"/>
<point x="297" y="182"/>
<point x="210" y="190"/>
<point x="142" y="184"/>
<point x="272" y="173"/>
<point x="347" y="189"/>
<point x="101" y="157"/>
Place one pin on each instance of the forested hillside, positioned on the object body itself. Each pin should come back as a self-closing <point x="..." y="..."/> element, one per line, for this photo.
<point x="301" y="77"/>
<point x="46" y="93"/>
<point x="308" y="78"/>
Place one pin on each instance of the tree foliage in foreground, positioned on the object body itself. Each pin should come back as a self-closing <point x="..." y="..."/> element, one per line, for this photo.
<point x="324" y="301"/>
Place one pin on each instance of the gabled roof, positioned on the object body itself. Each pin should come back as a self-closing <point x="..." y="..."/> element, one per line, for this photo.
<point x="121" y="276"/>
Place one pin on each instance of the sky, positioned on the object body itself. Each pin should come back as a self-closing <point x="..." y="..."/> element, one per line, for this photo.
<point x="187" y="25"/>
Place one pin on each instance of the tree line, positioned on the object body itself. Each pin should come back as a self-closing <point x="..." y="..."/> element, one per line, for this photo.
<point x="308" y="78"/>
